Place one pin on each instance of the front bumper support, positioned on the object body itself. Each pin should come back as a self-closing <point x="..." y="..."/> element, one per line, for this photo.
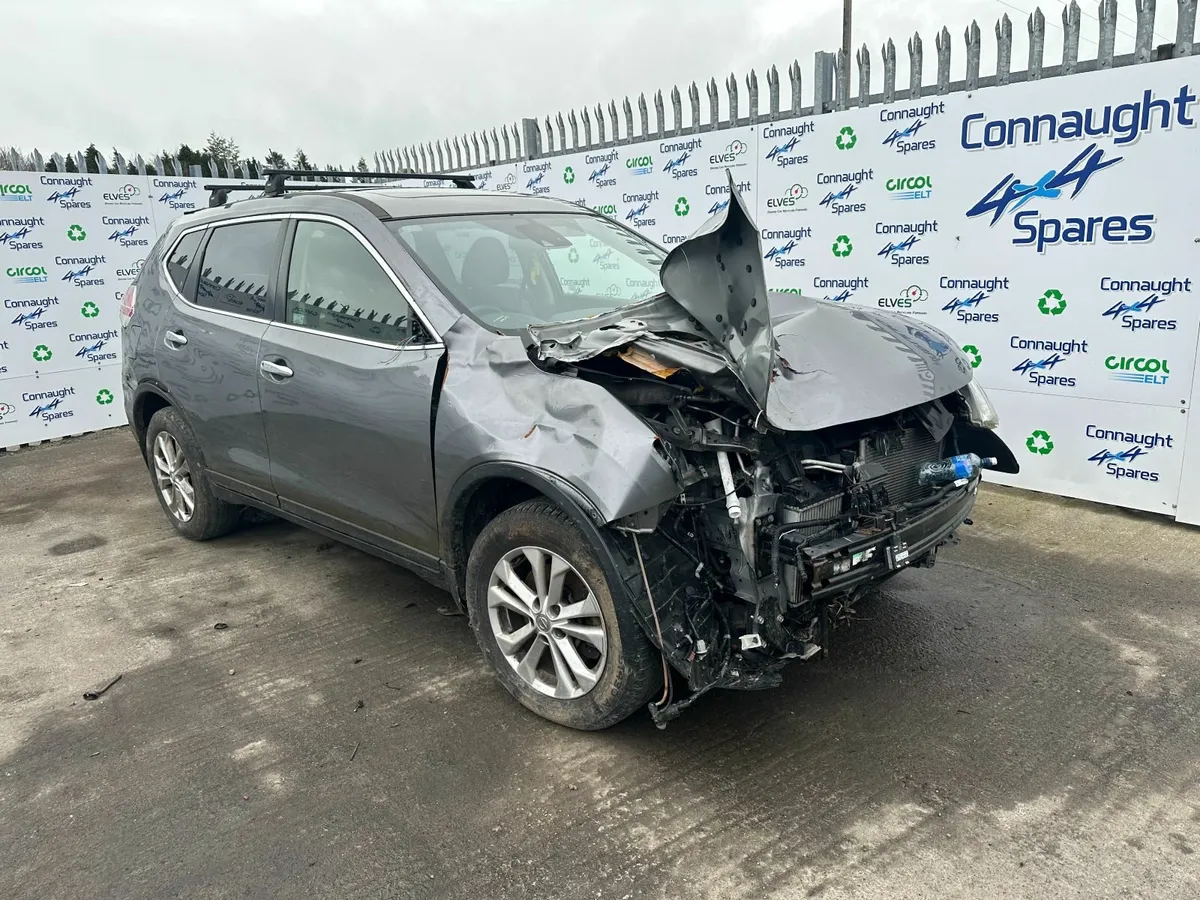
<point x="841" y="565"/>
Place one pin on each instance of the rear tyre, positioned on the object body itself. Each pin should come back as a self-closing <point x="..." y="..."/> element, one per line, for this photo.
<point x="180" y="481"/>
<point x="546" y="621"/>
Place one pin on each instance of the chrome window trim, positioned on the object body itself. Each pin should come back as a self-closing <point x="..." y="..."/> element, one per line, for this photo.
<point x="435" y="344"/>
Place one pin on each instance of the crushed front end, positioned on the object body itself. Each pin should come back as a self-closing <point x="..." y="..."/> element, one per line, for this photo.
<point x="776" y="535"/>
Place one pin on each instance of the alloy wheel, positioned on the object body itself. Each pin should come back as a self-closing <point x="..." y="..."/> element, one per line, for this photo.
<point x="173" y="477"/>
<point x="547" y="622"/>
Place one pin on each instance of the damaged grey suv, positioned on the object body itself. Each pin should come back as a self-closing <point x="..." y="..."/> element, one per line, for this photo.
<point x="641" y="474"/>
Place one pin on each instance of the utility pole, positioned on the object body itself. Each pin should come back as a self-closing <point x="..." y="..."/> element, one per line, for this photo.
<point x="846" y="18"/>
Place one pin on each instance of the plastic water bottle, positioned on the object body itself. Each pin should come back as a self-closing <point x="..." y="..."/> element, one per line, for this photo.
<point x="966" y="465"/>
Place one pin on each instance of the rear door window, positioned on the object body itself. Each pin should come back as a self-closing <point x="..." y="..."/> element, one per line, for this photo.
<point x="236" y="268"/>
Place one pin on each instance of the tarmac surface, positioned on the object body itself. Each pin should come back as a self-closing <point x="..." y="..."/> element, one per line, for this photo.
<point x="1023" y="720"/>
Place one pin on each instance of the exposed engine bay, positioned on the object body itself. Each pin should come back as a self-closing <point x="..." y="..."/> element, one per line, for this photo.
<point x="774" y="535"/>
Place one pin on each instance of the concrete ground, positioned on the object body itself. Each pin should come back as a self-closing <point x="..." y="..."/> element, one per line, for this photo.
<point x="1022" y="720"/>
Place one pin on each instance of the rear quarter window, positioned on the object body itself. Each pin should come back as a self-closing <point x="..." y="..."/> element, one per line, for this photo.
<point x="179" y="262"/>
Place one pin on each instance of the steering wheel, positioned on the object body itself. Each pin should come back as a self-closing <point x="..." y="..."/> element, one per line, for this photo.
<point x="492" y="314"/>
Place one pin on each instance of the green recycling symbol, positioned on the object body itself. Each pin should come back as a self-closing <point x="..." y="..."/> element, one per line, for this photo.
<point x="846" y="138"/>
<point x="573" y="255"/>
<point x="1039" y="442"/>
<point x="42" y="353"/>
<point x="1052" y="303"/>
<point x="973" y="352"/>
<point x="682" y="208"/>
<point x="105" y="397"/>
<point x="569" y="175"/>
<point x="76" y="233"/>
<point x="90" y="310"/>
<point x="842" y="246"/>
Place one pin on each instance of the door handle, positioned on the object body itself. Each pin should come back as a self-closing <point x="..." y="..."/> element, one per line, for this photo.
<point x="174" y="339"/>
<point x="275" y="370"/>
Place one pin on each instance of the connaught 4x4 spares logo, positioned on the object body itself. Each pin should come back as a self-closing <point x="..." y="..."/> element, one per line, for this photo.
<point x="1034" y="203"/>
<point x="1125" y="454"/>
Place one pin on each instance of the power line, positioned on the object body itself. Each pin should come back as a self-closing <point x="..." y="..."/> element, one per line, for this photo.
<point x="1095" y="18"/>
<point x="1082" y="36"/>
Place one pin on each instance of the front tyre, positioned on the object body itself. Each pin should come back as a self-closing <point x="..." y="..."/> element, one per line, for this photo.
<point x="181" y="482"/>
<point x="545" y="619"/>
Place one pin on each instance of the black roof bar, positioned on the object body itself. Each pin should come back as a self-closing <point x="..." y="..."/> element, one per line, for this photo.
<point x="276" y="182"/>
<point x="276" y="177"/>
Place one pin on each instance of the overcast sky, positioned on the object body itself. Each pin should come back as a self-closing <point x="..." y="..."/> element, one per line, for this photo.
<point x="342" y="78"/>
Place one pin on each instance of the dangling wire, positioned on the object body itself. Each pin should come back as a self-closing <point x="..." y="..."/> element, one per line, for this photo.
<point x="666" y="695"/>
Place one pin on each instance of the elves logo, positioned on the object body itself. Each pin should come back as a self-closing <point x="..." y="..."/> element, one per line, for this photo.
<point x="1043" y="232"/>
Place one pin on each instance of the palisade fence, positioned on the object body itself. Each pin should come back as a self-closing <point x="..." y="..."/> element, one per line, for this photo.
<point x="831" y="92"/>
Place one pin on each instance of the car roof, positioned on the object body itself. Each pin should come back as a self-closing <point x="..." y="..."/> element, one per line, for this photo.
<point x="390" y="203"/>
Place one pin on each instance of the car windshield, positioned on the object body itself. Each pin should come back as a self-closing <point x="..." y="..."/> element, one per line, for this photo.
<point x="516" y="269"/>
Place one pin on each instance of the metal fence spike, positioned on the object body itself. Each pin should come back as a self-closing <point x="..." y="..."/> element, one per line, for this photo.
<point x="627" y="108"/>
<point x="1185" y="29"/>
<point x="424" y="164"/>
<point x="587" y="127"/>
<point x="441" y="157"/>
<point x="139" y="163"/>
<point x="614" y="121"/>
<point x="1107" y="14"/>
<point x="889" y="71"/>
<point x="600" y="125"/>
<point x="518" y="146"/>
<point x="660" y="114"/>
<point x="863" y="58"/>
<point x="1037" y="43"/>
<point x="159" y="166"/>
<point x="752" y="97"/>
<point x="1003" y="49"/>
<point x="481" y="159"/>
<point x="773" y="93"/>
<point x="1070" y="19"/>
<point x="942" y="42"/>
<point x="714" y="106"/>
<point x="974" y="45"/>
<point x="562" y="130"/>
<point x="643" y="115"/>
<point x="508" y="154"/>
<point x="795" y="77"/>
<point x="916" y="67"/>
<point x="731" y="88"/>
<point x="694" y="103"/>
<point x="80" y="162"/>
<point x="549" y="135"/>
<point x="574" y="120"/>
<point x="458" y="154"/>
<point x="1144" y="41"/>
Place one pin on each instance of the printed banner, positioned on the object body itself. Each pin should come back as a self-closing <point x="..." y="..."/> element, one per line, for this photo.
<point x="1048" y="228"/>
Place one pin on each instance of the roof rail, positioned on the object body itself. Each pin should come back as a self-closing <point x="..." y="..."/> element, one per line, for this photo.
<point x="276" y="177"/>
<point x="276" y="185"/>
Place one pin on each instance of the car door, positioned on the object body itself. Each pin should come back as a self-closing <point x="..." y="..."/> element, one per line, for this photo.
<point x="347" y="376"/>
<point x="209" y="344"/>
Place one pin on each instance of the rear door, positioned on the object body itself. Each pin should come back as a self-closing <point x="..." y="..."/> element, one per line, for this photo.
<point x="209" y="343"/>
<point x="347" y="384"/>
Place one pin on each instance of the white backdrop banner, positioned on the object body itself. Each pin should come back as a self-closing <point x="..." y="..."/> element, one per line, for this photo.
<point x="1049" y="228"/>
